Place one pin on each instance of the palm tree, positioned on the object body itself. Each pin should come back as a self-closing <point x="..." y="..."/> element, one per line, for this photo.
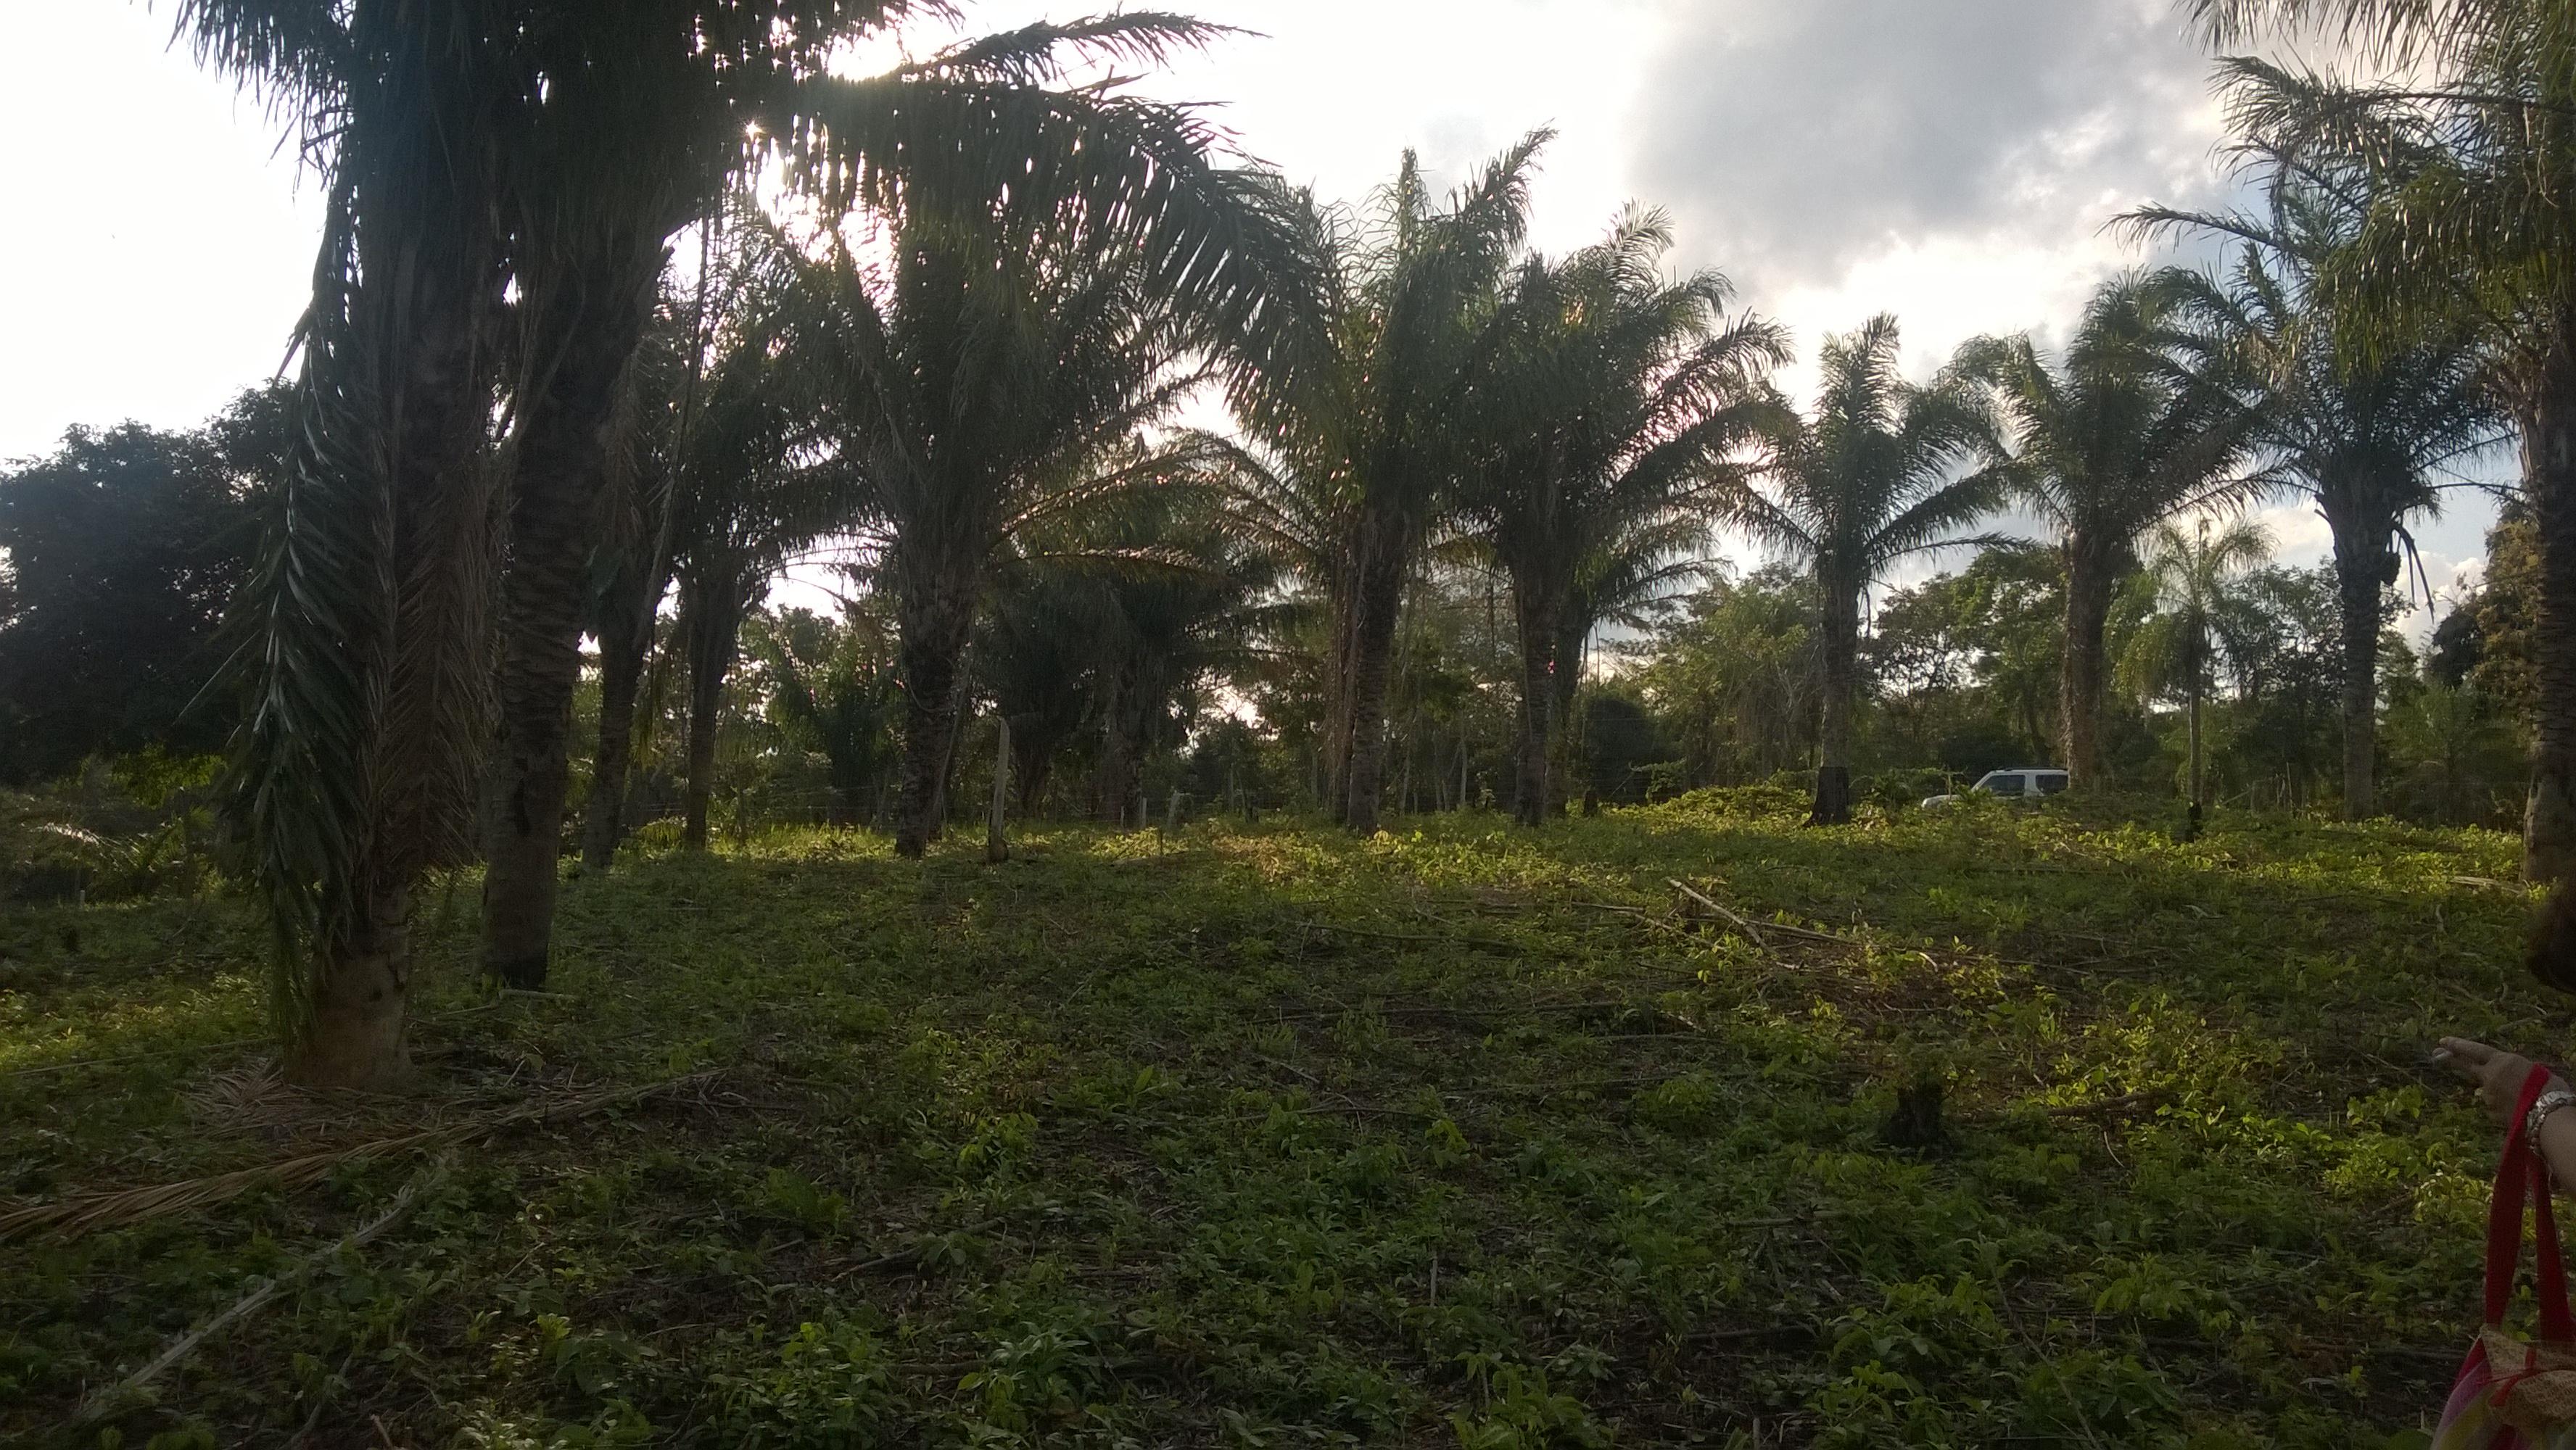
<point x="1885" y="470"/>
<point x="974" y="374"/>
<point x="363" y="666"/>
<point x="2467" y="222"/>
<point x="630" y="565"/>
<point x="2191" y="576"/>
<point x="756" y="483"/>
<point x="1182" y="601"/>
<point x="1603" y="412"/>
<point x="2367" y="435"/>
<point x="2110" y="442"/>
<point x="1360" y="446"/>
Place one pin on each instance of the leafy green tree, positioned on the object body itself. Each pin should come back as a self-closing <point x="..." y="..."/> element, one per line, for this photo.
<point x="2456" y="757"/>
<point x="2280" y="638"/>
<point x="2372" y="437"/>
<point x="1885" y="470"/>
<point x="2111" y="441"/>
<point x="832" y="686"/>
<point x="1604" y="418"/>
<point x="2468" y="223"/>
<point x="2193" y="578"/>
<point x="1965" y="666"/>
<point x="1734" y="677"/>
<point x="119" y="555"/>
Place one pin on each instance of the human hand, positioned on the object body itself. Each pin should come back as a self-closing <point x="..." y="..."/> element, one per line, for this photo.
<point x="2499" y="1074"/>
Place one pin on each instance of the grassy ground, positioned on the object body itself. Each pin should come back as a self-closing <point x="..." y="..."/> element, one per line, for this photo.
<point x="1272" y="1137"/>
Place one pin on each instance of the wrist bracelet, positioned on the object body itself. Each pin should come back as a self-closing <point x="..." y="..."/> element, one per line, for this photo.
<point x="2541" y="1107"/>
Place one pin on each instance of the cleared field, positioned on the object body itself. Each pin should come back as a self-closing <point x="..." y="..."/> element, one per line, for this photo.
<point x="1267" y="1136"/>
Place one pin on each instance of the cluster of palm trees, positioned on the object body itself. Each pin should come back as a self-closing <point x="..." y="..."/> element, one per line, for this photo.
<point x="960" y="365"/>
<point x="504" y="180"/>
<point x="2448" y="231"/>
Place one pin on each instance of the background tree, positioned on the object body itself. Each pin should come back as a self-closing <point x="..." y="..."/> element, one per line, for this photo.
<point x="1965" y="665"/>
<point x="1734" y="677"/>
<point x="973" y="375"/>
<point x="2370" y="436"/>
<point x="119" y="555"/>
<point x="1884" y="470"/>
<point x="2110" y="442"/>
<point x="831" y="684"/>
<point x="2192" y="578"/>
<point x="1362" y="439"/>
<point x="756" y="482"/>
<point x="2468" y="223"/>
<point x="1603" y="412"/>
<point x="630" y="562"/>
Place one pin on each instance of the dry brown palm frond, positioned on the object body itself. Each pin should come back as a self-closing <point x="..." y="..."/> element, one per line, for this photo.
<point x="85" y="1212"/>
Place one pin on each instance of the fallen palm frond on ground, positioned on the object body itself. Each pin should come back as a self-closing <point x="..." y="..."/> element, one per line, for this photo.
<point x="137" y="1385"/>
<point x="89" y="1212"/>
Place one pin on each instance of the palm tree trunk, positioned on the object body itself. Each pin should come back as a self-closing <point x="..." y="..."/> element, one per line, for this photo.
<point x="2199" y="795"/>
<point x="586" y="329"/>
<point x="1535" y="603"/>
<point x="419" y="327"/>
<point x="625" y="637"/>
<point x="1570" y="756"/>
<point x="2549" y="483"/>
<point x="2082" y="683"/>
<point x="1833" y="736"/>
<point x="1333" y="758"/>
<point x="934" y="617"/>
<point x="1117" y="783"/>
<point x="1379" y="602"/>
<point x="357" y="1035"/>
<point x="2364" y="567"/>
<point x="711" y="620"/>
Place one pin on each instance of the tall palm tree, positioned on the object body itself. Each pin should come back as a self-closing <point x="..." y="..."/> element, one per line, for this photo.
<point x="2469" y="220"/>
<point x="977" y="376"/>
<point x="2371" y="437"/>
<point x="363" y="663"/>
<point x="757" y="482"/>
<point x="1886" y="469"/>
<point x="2191" y="576"/>
<point x="1361" y="445"/>
<point x="2111" y="441"/>
<point x="1605" y="408"/>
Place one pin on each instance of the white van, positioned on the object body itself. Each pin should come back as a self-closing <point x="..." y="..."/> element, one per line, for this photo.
<point x="2022" y="782"/>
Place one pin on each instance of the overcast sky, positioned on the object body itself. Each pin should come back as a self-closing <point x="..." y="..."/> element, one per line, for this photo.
<point x="1951" y="161"/>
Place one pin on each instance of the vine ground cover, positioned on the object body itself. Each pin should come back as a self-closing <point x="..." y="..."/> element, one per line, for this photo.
<point x="1264" y="1136"/>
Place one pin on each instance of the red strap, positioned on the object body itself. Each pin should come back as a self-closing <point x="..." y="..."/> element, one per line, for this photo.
<point x="2523" y="1178"/>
